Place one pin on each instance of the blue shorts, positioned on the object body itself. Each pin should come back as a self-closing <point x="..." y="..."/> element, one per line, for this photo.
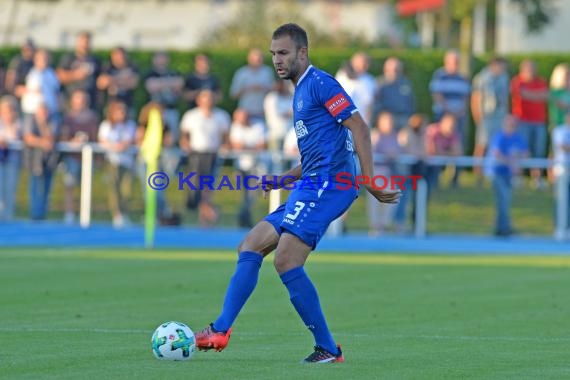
<point x="308" y="212"/>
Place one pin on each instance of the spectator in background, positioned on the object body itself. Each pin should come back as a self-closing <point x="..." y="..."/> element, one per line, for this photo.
<point x="395" y="93"/>
<point x="164" y="86"/>
<point x="489" y="104"/>
<point x="165" y="214"/>
<point x="42" y="87"/>
<point x="3" y="71"/>
<point x="248" y="139"/>
<point x="384" y="143"/>
<point x="412" y="142"/>
<point x="79" y="70"/>
<point x="561" y="150"/>
<point x="201" y="79"/>
<point x="291" y="149"/>
<point x="116" y="135"/>
<point x="359" y="84"/>
<point x="10" y="159"/>
<point x="559" y="97"/>
<point x="450" y="91"/>
<point x="18" y="69"/>
<point x="505" y="150"/>
<point x="251" y="83"/>
<point x="529" y="94"/>
<point x="80" y="125"/>
<point x="442" y="139"/>
<point x="40" y="158"/>
<point x="204" y="131"/>
<point x="278" y="113"/>
<point x="119" y="78"/>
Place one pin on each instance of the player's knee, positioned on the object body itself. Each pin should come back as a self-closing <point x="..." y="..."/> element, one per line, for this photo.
<point x="283" y="263"/>
<point x="249" y="244"/>
<point x="279" y="264"/>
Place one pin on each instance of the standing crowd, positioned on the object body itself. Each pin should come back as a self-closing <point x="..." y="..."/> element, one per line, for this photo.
<point x="81" y="99"/>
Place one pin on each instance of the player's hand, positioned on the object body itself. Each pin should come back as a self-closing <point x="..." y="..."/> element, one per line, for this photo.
<point x="267" y="185"/>
<point x="385" y="196"/>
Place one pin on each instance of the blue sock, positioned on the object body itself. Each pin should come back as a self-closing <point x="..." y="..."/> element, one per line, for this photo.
<point x="304" y="297"/>
<point x="240" y="288"/>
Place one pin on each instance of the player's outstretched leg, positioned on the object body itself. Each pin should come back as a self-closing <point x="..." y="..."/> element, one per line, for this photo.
<point x="259" y="242"/>
<point x="289" y="259"/>
<point x="241" y="285"/>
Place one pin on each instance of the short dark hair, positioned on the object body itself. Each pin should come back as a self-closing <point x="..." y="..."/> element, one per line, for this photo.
<point x="297" y="34"/>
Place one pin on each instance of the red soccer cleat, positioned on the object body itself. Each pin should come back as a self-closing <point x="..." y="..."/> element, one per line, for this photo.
<point x="208" y="339"/>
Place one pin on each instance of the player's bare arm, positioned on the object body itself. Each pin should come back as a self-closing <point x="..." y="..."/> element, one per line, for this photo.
<point x="363" y="146"/>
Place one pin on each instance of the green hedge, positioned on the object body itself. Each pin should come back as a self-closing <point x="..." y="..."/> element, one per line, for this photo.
<point x="419" y="65"/>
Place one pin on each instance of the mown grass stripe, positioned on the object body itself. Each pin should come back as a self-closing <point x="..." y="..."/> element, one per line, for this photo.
<point x="353" y="259"/>
<point x="20" y="329"/>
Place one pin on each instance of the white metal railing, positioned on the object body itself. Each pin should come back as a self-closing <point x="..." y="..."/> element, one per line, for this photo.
<point x="278" y="159"/>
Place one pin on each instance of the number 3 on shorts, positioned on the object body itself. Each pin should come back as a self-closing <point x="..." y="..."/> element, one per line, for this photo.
<point x="298" y="207"/>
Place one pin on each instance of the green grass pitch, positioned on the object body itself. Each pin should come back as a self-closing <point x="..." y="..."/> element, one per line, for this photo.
<point x="89" y="314"/>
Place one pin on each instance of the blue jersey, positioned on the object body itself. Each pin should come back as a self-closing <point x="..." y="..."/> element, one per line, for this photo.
<point x="320" y="105"/>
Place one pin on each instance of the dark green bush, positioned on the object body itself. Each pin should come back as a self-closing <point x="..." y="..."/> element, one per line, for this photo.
<point x="418" y="65"/>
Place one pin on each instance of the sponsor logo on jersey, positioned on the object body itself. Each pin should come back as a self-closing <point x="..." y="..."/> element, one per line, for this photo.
<point x="337" y="104"/>
<point x="301" y="129"/>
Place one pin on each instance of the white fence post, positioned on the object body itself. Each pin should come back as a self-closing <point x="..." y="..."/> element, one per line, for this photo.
<point x="421" y="208"/>
<point x="86" y="185"/>
<point x="560" y="232"/>
<point x="277" y="168"/>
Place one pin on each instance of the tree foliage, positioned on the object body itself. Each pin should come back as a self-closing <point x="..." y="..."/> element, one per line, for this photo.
<point x="538" y="13"/>
<point x="256" y="20"/>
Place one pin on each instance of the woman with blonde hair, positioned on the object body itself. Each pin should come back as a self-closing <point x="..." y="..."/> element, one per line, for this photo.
<point x="559" y="99"/>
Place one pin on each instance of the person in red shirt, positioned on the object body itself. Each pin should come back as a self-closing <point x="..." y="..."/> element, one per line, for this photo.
<point x="529" y="94"/>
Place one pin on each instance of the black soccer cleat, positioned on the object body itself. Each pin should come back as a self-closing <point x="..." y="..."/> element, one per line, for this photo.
<point x="320" y="355"/>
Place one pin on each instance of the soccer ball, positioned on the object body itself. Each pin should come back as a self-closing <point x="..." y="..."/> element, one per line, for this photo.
<point x="173" y="341"/>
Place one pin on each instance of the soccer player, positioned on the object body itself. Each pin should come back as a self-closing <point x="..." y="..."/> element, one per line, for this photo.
<point x="323" y="116"/>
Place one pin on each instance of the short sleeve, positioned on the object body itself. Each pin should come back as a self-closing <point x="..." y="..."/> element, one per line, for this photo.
<point x="186" y="122"/>
<point x="523" y="146"/>
<point x="14" y="63"/>
<point x="65" y="62"/>
<point x="226" y="122"/>
<point x="515" y="86"/>
<point x="28" y="124"/>
<point x="237" y="82"/>
<point x="334" y="98"/>
<point x="434" y="82"/>
<point x="478" y="82"/>
<point x="103" y="131"/>
<point x="556" y="137"/>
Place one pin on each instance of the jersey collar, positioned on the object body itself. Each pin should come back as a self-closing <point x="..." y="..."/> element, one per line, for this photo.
<point x="304" y="74"/>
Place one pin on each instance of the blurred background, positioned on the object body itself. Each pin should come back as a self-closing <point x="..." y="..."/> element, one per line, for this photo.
<point x="472" y="95"/>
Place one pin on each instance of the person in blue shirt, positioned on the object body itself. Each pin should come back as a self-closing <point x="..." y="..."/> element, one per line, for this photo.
<point x="323" y="116"/>
<point x="395" y="93"/>
<point x="505" y="151"/>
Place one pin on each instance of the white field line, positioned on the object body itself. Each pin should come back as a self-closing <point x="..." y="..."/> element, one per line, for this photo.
<point x="19" y="329"/>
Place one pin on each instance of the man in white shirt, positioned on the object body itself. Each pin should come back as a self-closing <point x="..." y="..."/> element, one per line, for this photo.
<point x="251" y="83"/>
<point x="278" y="113"/>
<point x="249" y="140"/>
<point x="204" y="130"/>
<point x="359" y="84"/>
